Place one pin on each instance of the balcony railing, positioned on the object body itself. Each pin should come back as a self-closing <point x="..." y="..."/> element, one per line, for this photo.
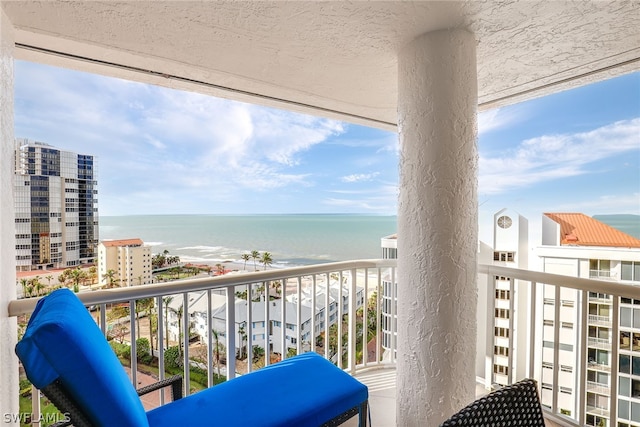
<point x="599" y="320"/>
<point x="335" y="309"/>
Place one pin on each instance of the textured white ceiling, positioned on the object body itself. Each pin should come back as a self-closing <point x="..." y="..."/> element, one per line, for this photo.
<point x="331" y="58"/>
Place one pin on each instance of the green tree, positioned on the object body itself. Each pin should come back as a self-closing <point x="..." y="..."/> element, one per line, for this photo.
<point x="110" y="277"/>
<point x="266" y="259"/>
<point x="245" y="258"/>
<point x="218" y="348"/>
<point x="24" y="283"/>
<point x="77" y="276"/>
<point x="166" y="301"/>
<point x="255" y="255"/>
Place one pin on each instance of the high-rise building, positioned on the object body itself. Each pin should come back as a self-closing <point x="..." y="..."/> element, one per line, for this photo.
<point x="389" y="312"/>
<point x="576" y="245"/>
<point x="129" y="259"/>
<point x="56" y="207"/>
<point x="510" y="249"/>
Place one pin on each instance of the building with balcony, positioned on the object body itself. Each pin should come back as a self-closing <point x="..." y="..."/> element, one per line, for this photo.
<point x="424" y="69"/>
<point x="129" y="259"/>
<point x="389" y="310"/>
<point x="56" y="207"/>
<point x="576" y="245"/>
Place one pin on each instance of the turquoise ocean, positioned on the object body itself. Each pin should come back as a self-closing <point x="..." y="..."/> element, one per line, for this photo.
<point x="291" y="239"/>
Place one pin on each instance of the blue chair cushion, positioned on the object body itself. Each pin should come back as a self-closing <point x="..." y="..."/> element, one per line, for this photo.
<point x="303" y="391"/>
<point x="63" y="341"/>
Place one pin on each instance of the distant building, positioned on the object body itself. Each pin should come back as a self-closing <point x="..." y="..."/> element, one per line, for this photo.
<point x="509" y="298"/>
<point x="576" y="245"/>
<point x="389" y="309"/>
<point x="56" y="207"/>
<point x="129" y="259"/>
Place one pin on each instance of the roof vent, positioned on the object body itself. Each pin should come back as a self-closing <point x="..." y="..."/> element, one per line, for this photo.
<point x="571" y="238"/>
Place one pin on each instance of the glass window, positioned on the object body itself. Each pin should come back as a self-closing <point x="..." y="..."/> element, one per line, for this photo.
<point x="624" y="384"/>
<point x="625" y="341"/>
<point x="635" y="388"/>
<point x="627" y="271"/>
<point x="625" y="317"/>
<point x="636" y="318"/>
<point x="635" y="368"/>
<point x="625" y="364"/>
<point x="623" y="409"/>
<point x="635" y="412"/>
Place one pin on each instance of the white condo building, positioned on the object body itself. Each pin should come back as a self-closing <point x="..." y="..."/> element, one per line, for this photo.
<point x="56" y="207"/>
<point x="607" y="331"/>
<point x="129" y="259"/>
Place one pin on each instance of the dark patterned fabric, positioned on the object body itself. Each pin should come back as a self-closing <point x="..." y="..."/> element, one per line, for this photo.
<point x="511" y="406"/>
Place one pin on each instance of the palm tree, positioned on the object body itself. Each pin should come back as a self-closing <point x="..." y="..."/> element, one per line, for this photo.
<point x="255" y="255"/>
<point x="110" y="277"/>
<point x="266" y="260"/>
<point x="24" y="283"/>
<point x="166" y="301"/>
<point x="218" y="348"/>
<point x="77" y="276"/>
<point x="93" y="275"/>
<point x="245" y="258"/>
<point x="49" y="279"/>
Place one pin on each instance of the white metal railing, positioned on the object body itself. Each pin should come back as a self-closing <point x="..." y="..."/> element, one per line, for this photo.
<point x="595" y="387"/>
<point x="601" y="343"/>
<point x="599" y="320"/>
<point x="602" y="274"/>
<point x="339" y="305"/>
<point x="556" y="334"/>
<point x="346" y="288"/>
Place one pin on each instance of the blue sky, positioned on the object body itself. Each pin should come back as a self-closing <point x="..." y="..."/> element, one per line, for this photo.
<point x="163" y="151"/>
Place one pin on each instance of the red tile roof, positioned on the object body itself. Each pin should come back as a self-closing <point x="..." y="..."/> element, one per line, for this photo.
<point x="577" y="229"/>
<point x="123" y="242"/>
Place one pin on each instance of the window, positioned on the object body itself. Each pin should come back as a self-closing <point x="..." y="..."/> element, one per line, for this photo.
<point x="630" y="270"/>
<point x="499" y="369"/>
<point x="502" y="313"/>
<point x="500" y="351"/>
<point x="547" y="365"/>
<point x="502" y="294"/>
<point x="566" y="368"/>
<point x="502" y="332"/>
<point x="624" y="364"/>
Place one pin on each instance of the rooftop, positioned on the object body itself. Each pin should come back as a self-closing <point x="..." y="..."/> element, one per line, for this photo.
<point x="578" y="229"/>
<point x="122" y="242"/>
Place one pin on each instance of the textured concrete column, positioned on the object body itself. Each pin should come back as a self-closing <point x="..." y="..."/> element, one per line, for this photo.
<point x="8" y="326"/>
<point x="437" y="227"/>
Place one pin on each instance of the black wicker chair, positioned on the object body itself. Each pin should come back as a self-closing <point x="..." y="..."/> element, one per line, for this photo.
<point x="513" y="405"/>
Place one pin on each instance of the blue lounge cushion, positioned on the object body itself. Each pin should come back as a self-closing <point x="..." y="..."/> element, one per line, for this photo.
<point x="63" y="341"/>
<point x="303" y="391"/>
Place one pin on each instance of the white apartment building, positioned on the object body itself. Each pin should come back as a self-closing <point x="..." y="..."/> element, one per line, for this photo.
<point x="129" y="259"/>
<point x="389" y="309"/>
<point x="574" y="244"/>
<point x="56" y="207"/>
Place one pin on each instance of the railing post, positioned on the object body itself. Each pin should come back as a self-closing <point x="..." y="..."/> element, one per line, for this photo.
<point x="185" y="343"/>
<point x="134" y="347"/>
<point x="491" y="327"/>
<point x="210" y="349"/>
<point x="231" y="333"/>
<point x="159" y="303"/>
<point x="299" y="316"/>
<point x="351" y="337"/>
<point x="249" y="327"/>
<point x="582" y="364"/>
<point x="556" y="349"/>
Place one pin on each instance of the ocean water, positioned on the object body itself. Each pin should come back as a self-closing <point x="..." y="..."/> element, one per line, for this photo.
<point x="629" y="224"/>
<point x="291" y="239"/>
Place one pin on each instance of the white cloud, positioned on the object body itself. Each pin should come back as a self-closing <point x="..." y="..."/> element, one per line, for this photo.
<point x="552" y="157"/>
<point x="498" y="118"/>
<point x="360" y="177"/>
<point x="172" y="144"/>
